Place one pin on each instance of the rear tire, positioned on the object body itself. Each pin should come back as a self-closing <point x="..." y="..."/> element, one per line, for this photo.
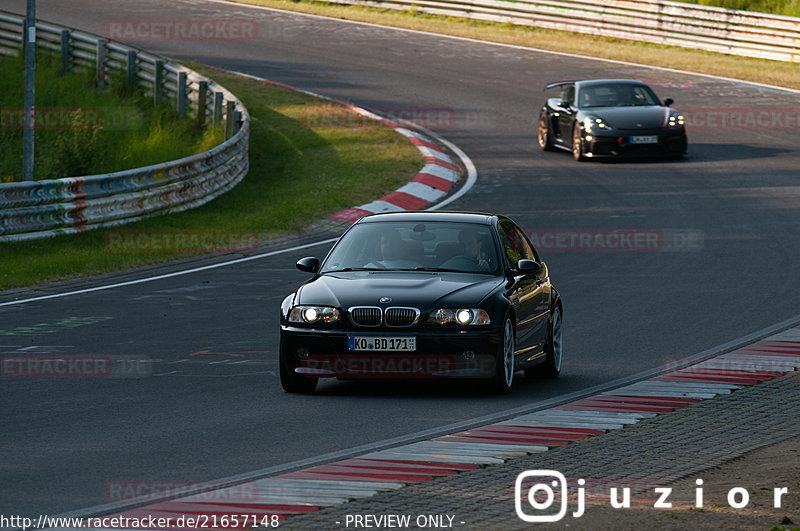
<point x="545" y="140"/>
<point x="290" y="380"/>
<point x="504" y="368"/>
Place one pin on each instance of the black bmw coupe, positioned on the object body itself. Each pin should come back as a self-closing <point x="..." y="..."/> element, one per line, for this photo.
<point x="423" y="295"/>
<point x="610" y="118"/>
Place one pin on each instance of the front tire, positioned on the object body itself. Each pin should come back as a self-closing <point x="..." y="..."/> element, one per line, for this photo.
<point x="290" y="380"/>
<point x="577" y="143"/>
<point x="504" y="369"/>
<point x="545" y="140"/>
<point x="553" y="348"/>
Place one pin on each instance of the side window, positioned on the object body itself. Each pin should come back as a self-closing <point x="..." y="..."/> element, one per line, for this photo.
<point x="515" y="244"/>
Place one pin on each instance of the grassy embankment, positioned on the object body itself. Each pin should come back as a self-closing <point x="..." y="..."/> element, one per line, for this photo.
<point x="82" y="130"/>
<point x="308" y="159"/>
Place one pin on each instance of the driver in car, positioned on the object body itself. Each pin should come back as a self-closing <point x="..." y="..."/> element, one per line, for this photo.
<point x="471" y="253"/>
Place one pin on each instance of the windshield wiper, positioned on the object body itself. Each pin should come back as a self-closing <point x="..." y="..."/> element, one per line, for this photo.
<point x="436" y="269"/>
<point x="355" y="269"/>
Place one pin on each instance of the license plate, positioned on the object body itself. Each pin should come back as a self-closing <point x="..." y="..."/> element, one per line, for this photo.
<point x="380" y="344"/>
<point x="644" y="140"/>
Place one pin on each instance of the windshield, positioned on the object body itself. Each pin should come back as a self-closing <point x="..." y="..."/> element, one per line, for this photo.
<point x="415" y="246"/>
<point x="616" y="95"/>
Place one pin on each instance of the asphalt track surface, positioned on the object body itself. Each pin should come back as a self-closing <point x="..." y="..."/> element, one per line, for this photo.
<point x="214" y="407"/>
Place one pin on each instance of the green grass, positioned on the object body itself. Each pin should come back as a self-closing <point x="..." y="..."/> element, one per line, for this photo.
<point x="87" y="130"/>
<point x="745" y="68"/>
<point x="777" y="7"/>
<point x="308" y="160"/>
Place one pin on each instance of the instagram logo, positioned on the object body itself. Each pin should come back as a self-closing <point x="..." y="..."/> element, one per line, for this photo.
<point x="541" y="495"/>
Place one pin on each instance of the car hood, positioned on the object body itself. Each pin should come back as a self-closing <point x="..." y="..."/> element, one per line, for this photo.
<point x="420" y="290"/>
<point x="631" y="118"/>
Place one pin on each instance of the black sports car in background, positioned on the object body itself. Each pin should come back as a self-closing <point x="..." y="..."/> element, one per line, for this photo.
<point x="423" y="295"/>
<point x="610" y="118"/>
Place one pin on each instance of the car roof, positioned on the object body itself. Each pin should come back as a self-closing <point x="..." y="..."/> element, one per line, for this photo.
<point x="428" y="215"/>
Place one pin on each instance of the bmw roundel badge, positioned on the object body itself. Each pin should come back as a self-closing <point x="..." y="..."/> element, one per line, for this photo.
<point x="384" y="300"/>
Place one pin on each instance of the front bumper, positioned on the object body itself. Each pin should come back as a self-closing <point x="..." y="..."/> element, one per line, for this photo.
<point x="623" y="145"/>
<point x="438" y="354"/>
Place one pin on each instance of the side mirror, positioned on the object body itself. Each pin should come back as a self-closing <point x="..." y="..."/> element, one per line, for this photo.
<point x="668" y="101"/>
<point x="564" y="104"/>
<point x="528" y="267"/>
<point x="309" y="264"/>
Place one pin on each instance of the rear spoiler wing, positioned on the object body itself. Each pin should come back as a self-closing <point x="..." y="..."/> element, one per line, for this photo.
<point x="558" y="84"/>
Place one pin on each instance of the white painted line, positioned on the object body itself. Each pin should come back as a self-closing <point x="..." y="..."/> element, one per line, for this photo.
<point x="683" y="384"/>
<point x="168" y="275"/>
<point x="278" y="482"/>
<point x="494" y="447"/>
<point x="576" y="420"/>
<point x="310" y="490"/>
<point x="676" y="389"/>
<point x="419" y="455"/>
<point x="567" y="423"/>
<point x="660" y="394"/>
<point x="277" y="499"/>
<point x="597" y="414"/>
<point x="476" y="448"/>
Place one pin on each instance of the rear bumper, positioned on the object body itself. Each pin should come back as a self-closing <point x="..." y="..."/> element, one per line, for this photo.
<point x="325" y="354"/>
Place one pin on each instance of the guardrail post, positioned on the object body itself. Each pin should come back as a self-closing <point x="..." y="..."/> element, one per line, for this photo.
<point x="237" y="121"/>
<point x="229" y="106"/>
<point x="181" y="95"/>
<point x="158" y="83"/>
<point x="131" y="70"/>
<point x="218" y="99"/>
<point x="201" y="103"/>
<point x="100" y="78"/>
<point x="66" y="53"/>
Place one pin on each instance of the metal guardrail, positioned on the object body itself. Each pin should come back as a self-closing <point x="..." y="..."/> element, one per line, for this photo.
<point x="39" y="209"/>
<point x="708" y="28"/>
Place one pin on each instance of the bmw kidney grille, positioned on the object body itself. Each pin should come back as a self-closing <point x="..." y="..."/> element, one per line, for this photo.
<point x="375" y="316"/>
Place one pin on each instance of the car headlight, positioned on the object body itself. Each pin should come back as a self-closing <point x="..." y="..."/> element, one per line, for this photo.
<point x="594" y="124"/>
<point x="314" y="314"/>
<point x="461" y="316"/>
<point x="675" y="121"/>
